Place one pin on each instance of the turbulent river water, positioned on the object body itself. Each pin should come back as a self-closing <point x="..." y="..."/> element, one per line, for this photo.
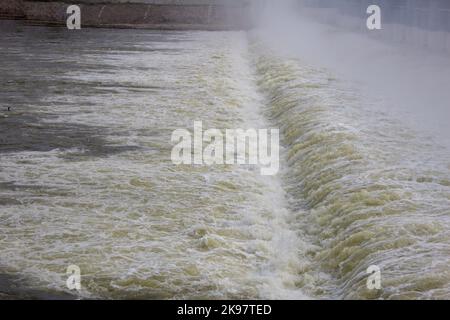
<point x="86" y="176"/>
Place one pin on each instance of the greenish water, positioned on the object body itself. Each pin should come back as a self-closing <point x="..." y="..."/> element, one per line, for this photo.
<point x="86" y="176"/>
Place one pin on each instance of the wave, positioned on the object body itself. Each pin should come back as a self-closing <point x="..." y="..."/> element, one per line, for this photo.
<point x="364" y="189"/>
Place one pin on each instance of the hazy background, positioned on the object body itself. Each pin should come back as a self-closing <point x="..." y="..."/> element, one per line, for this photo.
<point x="405" y="66"/>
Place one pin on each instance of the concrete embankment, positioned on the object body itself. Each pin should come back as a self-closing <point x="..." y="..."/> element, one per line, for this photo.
<point x="419" y="23"/>
<point x="11" y="9"/>
<point x="151" y="14"/>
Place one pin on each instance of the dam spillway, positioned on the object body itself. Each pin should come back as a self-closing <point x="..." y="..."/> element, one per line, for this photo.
<point x="146" y="14"/>
<point x="90" y="178"/>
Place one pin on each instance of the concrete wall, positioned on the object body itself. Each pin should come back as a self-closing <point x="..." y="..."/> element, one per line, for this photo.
<point x="422" y="23"/>
<point x="426" y="14"/>
<point x="11" y="9"/>
<point x="152" y="14"/>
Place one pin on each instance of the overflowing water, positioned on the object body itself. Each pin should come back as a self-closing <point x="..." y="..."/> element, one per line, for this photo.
<point x="86" y="177"/>
<point x="363" y="189"/>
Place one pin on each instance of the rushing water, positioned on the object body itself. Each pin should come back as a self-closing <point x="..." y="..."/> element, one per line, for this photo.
<point x="86" y="176"/>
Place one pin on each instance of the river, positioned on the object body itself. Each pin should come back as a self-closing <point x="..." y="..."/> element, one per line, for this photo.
<point x="86" y="176"/>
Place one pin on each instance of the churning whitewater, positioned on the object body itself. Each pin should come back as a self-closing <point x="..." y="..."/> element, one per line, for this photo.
<point x="87" y="179"/>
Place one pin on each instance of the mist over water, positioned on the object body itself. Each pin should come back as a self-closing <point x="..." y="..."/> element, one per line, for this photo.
<point x="86" y="176"/>
<point x="405" y="67"/>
